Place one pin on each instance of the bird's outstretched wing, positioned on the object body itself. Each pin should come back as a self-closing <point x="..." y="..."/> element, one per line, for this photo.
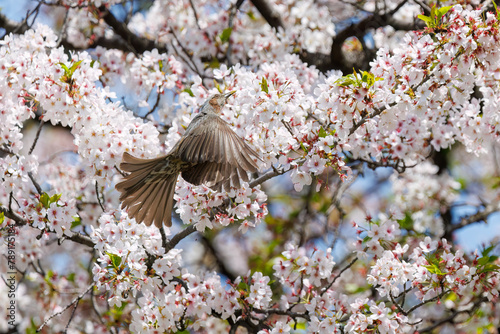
<point x="218" y="155"/>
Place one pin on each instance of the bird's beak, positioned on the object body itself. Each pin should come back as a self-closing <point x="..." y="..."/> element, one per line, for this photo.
<point x="229" y="94"/>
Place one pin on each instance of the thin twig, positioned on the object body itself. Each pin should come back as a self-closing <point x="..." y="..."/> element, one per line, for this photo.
<point x="451" y="317"/>
<point x="62" y="34"/>
<point x="186" y="52"/>
<point x="284" y="312"/>
<point x="36" y="137"/>
<point x="71" y="318"/>
<point x="36" y="11"/>
<point x="195" y="14"/>
<point x="339" y="274"/>
<point x="120" y="171"/>
<point x="75" y="301"/>
<point x="397" y="304"/>
<point x="233" y="10"/>
<point x="157" y="102"/>
<point x="98" y="197"/>
<point x="428" y="301"/>
<point x="37" y="186"/>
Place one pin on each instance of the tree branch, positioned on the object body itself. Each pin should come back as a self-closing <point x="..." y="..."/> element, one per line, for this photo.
<point x="178" y="237"/>
<point x="340" y="274"/>
<point x="20" y="221"/>
<point x="136" y="43"/>
<point x="475" y="218"/>
<point x="75" y="301"/>
<point x="267" y="176"/>
<point x="269" y="13"/>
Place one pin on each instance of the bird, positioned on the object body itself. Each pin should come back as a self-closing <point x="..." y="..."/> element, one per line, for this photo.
<point x="208" y="153"/>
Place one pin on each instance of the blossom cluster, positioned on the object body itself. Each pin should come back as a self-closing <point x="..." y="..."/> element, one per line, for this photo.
<point x="379" y="235"/>
<point x="368" y="316"/>
<point x="199" y="205"/>
<point x="140" y="75"/>
<point x="64" y="90"/>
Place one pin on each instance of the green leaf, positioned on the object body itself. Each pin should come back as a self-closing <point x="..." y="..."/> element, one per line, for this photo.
<point x="442" y="12"/>
<point x="64" y="67"/>
<point x="48" y="276"/>
<point x="300" y="326"/>
<point x="55" y="198"/>
<point x="189" y="91"/>
<point x="71" y="277"/>
<point x="487" y="250"/>
<point x="434" y="20"/>
<point x="2" y="217"/>
<point x="76" y="222"/>
<point x="119" y="309"/>
<point x="264" y="86"/>
<point x="303" y="147"/>
<point x="214" y="63"/>
<point x="496" y="10"/>
<point x="407" y="222"/>
<point x="115" y="260"/>
<point x="322" y="133"/>
<point x="226" y="33"/>
<point x="345" y="81"/>
<point x="426" y="19"/>
<point x="32" y="327"/>
<point x="433" y="12"/>
<point x="45" y="200"/>
<point x="251" y="15"/>
<point x="73" y="67"/>
<point x="490" y="268"/>
<point x="483" y="261"/>
<point x="434" y="269"/>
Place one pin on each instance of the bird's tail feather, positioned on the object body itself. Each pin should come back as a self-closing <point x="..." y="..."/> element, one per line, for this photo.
<point x="147" y="191"/>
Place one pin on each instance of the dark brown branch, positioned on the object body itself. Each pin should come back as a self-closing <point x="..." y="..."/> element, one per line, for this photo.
<point x="395" y="303"/>
<point x="283" y="312"/>
<point x="178" y="237"/>
<point x="11" y="26"/>
<point x="163" y="238"/>
<point x="20" y="221"/>
<point x="442" y="294"/>
<point x="269" y="13"/>
<point x="14" y="216"/>
<point x="195" y="14"/>
<point x="452" y="316"/>
<point x="267" y="176"/>
<point x="37" y="136"/>
<point x="340" y="274"/>
<point x="359" y="29"/>
<point x="99" y="200"/>
<point x="136" y="43"/>
<point x="475" y="218"/>
<point x="81" y="239"/>
<point x="222" y="268"/>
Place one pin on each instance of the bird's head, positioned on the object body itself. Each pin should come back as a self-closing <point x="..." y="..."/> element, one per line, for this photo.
<point x="216" y="102"/>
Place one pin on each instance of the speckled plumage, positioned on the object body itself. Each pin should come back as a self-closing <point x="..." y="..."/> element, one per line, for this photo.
<point x="208" y="153"/>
